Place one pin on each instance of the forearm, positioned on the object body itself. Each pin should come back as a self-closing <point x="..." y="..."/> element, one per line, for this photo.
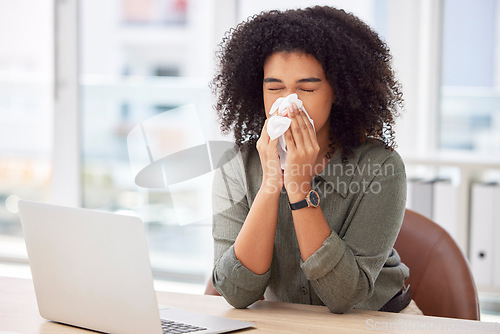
<point x="311" y="229"/>
<point x="336" y="275"/>
<point x="255" y="242"/>
<point x="344" y="269"/>
<point x="239" y="286"/>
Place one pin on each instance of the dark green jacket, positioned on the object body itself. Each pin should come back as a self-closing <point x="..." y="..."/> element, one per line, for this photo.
<point x="357" y="267"/>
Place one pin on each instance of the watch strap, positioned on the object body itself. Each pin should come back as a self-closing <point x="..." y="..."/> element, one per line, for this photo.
<point x="299" y="205"/>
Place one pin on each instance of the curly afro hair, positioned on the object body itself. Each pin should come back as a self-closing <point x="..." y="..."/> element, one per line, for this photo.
<point x="356" y="62"/>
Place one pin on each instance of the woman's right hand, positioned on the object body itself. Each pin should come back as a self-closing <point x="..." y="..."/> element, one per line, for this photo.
<point x="272" y="178"/>
<point x="255" y="242"/>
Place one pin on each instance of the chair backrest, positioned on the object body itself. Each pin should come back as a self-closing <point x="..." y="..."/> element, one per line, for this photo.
<point x="441" y="280"/>
<point x="210" y="290"/>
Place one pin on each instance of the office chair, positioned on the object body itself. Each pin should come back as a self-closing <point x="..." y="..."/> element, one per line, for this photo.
<point x="441" y="280"/>
<point x="210" y="290"/>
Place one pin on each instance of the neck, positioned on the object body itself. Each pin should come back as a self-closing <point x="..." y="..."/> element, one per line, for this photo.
<point x="323" y="137"/>
<point x="324" y="147"/>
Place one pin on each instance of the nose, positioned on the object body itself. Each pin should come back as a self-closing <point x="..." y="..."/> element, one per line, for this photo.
<point x="287" y="92"/>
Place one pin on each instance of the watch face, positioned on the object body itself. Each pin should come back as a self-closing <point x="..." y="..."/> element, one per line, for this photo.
<point x="314" y="198"/>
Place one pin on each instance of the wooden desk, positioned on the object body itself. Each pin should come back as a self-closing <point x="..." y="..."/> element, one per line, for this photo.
<point x="19" y="314"/>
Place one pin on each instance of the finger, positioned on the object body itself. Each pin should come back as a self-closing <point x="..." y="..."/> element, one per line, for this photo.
<point x="263" y="134"/>
<point x="263" y="140"/>
<point x="307" y="122"/>
<point x="305" y="125"/>
<point x="290" y="140"/>
<point x="309" y="134"/>
<point x="298" y="132"/>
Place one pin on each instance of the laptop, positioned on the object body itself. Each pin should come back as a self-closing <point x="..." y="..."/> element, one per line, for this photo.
<point x="91" y="269"/>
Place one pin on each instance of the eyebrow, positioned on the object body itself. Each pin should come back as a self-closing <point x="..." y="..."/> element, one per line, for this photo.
<point x="311" y="79"/>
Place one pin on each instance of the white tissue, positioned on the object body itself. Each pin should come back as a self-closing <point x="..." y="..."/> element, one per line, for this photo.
<point x="277" y="124"/>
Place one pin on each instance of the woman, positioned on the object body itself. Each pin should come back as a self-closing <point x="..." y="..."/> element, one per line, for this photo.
<point x="272" y="237"/>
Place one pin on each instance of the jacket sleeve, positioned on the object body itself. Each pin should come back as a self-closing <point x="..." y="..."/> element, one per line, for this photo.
<point x="239" y="286"/>
<point x="344" y="269"/>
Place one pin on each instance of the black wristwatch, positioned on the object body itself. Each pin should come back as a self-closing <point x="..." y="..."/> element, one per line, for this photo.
<point x="311" y="200"/>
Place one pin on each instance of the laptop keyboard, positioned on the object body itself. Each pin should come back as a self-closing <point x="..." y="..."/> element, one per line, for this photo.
<point x="172" y="327"/>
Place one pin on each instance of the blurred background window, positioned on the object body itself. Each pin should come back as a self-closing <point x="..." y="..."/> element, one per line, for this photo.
<point x="26" y="100"/>
<point x="470" y="101"/>
<point x="144" y="60"/>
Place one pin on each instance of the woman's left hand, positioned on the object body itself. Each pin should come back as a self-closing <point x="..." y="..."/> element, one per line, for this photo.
<point x="302" y="154"/>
